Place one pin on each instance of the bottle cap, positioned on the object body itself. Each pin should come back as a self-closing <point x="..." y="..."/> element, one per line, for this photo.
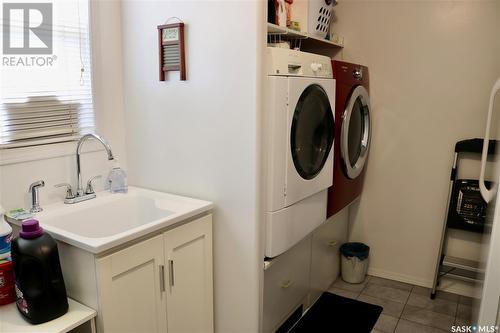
<point x="30" y="229"/>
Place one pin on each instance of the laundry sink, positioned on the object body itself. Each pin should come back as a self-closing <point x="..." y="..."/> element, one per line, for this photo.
<point x="112" y="219"/>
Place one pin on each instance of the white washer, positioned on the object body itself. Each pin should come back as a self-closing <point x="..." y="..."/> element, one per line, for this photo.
<point x="299" y="133"/>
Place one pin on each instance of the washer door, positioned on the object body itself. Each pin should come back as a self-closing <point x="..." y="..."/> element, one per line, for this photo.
<point x="356" y="131"/>
<point x="312" y="132"/>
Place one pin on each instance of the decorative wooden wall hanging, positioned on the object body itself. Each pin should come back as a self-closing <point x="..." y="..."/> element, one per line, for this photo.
<point x="171" y="47"/>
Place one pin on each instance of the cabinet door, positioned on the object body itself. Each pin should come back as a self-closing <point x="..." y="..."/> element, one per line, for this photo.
<point x="325" y="263"/>
<point x="188" y="251"/>
<point x="131" y="289"/>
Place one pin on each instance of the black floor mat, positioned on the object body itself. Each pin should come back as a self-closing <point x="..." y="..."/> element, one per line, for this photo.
<point x="336" y="314"/>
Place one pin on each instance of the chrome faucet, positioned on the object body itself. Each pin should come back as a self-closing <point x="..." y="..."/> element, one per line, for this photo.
<point x="81" y="194"/>
<point x="35" y="198"/>
<point x="79" y="189"/>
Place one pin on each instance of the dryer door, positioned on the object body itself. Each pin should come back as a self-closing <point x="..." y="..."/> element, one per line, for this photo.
<point x="355" y="133"/>
<point x="312" y="134"/>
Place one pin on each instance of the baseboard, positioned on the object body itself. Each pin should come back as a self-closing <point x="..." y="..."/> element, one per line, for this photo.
<point x="449" y="285"/>
<point x="399" y="277"/>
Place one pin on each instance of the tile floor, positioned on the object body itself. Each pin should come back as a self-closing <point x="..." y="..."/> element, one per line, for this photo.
<point x="408" y="308"/>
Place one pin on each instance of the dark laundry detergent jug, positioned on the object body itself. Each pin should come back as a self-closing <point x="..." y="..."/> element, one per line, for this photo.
<point x="41" y="294"/>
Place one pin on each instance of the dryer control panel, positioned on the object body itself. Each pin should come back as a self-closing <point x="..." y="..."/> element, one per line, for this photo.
<point x="285" y="62"/>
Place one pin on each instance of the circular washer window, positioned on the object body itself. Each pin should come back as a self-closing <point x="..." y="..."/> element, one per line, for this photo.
<point x="357" y="129"/>
<point x="355" y="133"/>
<point x="312" y="132"/>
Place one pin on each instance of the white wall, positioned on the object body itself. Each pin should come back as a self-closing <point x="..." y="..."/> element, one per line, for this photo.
<point x="199" y="137"/>
<point x="432" y="65"/>
<point x="56" y="163"/>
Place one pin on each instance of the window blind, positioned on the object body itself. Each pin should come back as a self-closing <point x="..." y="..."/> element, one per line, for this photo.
<point x="50" y="98"/>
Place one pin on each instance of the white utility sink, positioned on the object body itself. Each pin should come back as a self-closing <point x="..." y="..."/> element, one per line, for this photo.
<point x="113" y="219"/>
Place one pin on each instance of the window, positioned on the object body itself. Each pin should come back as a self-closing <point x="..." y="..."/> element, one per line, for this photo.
<point x="46" y="98"/>
<point x="312" y="133"/>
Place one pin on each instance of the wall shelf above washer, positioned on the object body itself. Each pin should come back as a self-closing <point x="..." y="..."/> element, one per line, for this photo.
<point x="276" y="29"/>
<point x="308" y="42"/>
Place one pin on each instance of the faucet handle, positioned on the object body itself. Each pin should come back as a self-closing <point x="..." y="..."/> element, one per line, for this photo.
<point x="69" y="190"/>
<point x="90" y="186"/>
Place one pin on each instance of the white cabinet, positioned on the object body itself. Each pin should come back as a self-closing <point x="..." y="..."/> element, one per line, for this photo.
<point x="162" y="284"/>
<point x="188" y="253"/>
<point x="325" y="255"/>
<point x="130" y="284"/>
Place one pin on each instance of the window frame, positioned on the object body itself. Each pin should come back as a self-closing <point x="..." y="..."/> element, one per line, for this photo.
<point x="35" y="152"/>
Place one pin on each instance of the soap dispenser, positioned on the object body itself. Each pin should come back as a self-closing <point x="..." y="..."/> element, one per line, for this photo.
<point x="117" y="179"/>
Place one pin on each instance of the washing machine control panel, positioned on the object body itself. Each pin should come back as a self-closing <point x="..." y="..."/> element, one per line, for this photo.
<point x="285" y="62"/>
<point x="316" y="67"/>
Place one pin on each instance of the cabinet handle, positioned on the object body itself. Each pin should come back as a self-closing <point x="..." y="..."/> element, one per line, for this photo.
<point x="171" y="272"/>
<point x="162" y="278"/>
<point x="286" y="284"/>
<point x="332" y="243"/>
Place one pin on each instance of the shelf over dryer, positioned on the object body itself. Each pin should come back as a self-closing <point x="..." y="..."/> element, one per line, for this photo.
<point x="304" y="41"/>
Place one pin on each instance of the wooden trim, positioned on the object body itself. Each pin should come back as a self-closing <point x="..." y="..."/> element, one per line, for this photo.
<point x="160" y="53"/>
<point x="44" y="152"/>
<point x="170" y="25"/>
<point x="182" y="53"/>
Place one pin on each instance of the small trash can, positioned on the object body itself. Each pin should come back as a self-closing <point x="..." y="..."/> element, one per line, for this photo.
<point x="354" y="262"/>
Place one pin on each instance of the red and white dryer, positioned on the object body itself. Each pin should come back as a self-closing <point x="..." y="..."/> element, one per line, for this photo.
<point x="352" y="134"/>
